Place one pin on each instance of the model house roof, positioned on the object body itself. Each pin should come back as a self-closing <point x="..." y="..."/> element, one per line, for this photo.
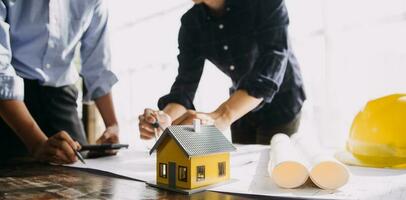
<point x="208" y="140"/>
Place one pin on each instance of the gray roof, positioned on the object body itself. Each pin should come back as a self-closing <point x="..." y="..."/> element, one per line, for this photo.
<point x="208" y="141"/>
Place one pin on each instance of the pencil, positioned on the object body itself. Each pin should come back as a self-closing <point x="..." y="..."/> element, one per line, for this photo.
<point x="157" y="126"/>
<point x="80" y="157"/>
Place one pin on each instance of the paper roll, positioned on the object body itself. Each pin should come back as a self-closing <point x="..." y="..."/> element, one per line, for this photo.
<point x="286" y="167"/>
<point x="326" y="172"/>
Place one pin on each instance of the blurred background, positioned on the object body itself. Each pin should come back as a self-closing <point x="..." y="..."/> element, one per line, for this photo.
<point x="350" y="51"/>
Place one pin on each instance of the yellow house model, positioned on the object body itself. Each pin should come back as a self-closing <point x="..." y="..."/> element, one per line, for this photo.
<point x="192" y="156"/>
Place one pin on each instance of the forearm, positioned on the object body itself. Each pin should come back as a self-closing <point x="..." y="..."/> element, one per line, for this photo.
<point x="174" y="110"/>
<point x="239" y="104"/>
<point x="106" y="108"/>
<point x="17" y="116"/>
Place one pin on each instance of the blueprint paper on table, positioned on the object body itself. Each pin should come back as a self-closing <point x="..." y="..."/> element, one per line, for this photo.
<point x="365" y="183"/>
<point x="249" y="166"/>
<point x="135" y="164"/>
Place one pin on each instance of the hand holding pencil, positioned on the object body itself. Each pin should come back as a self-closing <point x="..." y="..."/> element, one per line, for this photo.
<point x="58" y="149"/>
<point x="152" y="123"/>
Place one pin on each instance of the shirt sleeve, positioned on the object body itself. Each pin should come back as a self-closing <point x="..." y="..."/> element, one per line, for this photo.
<point x="96" y="56"/>
<point x="272" y="39"/>
<point x="190" y="70"/>
<point x="11" y="85"/>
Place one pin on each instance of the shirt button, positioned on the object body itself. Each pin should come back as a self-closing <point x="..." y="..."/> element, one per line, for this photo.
<point x="48" y="66"/>
<point x="232" y="67"/>
<point x="228" y="9"/>
<point x="225" y="47"/>
<point x="221" y="26"/>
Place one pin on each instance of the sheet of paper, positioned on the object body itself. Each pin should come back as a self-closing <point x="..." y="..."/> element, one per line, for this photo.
<point x="135" y="164"/>
<point x="249" y="166"/>
<point x="321" y="161"/>
<point x="287" y="166"/>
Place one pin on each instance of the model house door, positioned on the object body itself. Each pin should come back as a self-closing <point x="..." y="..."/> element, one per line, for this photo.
<point x="172" y="174"/>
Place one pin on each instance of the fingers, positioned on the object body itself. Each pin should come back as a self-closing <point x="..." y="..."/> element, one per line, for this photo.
<point x="185" y="117"/>
<point x="189" y="116"/>
<point x="146" y="137"/>
<point x="149" y="115"/>
<point x="205" y="119"/>
<point x="148" y="111"/>
<point x="164" y="119"/>
<point x="108" y="138"/>
<point x="151" y="119"/>
<point x="78" y="145"/>
<point x="62" y="156"/>
<point x="58" y="149"/>
<point x="145" y="124"/>
<point x="64" y="147"/>
<point x="101" y="139"/>
<point x="62" y="135"/>
<point x="65" y="144"/>
<point x="55" y="155"/>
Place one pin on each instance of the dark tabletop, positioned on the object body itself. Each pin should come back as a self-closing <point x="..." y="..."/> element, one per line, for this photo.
<point x="30" y="180"/>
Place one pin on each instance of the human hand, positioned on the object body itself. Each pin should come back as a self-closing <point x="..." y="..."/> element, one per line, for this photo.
<point x="58" y="149"/>
<point x="109" y="136"/>
<point x="213" y="118"/>
<point x="150" y="117"/>
<point x="190" y="115"/>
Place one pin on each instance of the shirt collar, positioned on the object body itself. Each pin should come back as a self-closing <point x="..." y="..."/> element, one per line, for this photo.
<point x="230" y="5"/>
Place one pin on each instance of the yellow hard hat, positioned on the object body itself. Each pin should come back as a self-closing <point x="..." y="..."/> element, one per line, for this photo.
<point x="378" y="133"/>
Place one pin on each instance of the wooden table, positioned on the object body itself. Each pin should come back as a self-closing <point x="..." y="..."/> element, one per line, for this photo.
<point x="40" y="181"/>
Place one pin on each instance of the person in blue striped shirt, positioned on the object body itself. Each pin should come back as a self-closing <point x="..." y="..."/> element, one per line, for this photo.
<point x="38" y="110"/>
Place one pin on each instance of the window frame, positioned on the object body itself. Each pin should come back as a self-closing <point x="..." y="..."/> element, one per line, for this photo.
<point x="200" y="178"/>
<point x="163" y="173"/>
<point x="221" y="166"/>
<point x="180" y="178"/>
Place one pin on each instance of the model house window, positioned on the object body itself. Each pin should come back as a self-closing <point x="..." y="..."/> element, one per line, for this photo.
<point x="162" y="170"/>
<point x="182" y="173"/>
<point x="200" y="173"/>
<point x="222" y="168"/>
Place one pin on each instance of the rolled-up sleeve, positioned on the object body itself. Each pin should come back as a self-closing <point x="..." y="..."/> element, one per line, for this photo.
<point x="96" y="56"/>
<point x="272" y="39"/>
<point x="11" y="85"/>
<point x="190" y="70"/>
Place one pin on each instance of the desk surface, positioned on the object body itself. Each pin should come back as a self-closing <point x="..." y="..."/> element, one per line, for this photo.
<point x="40" y="181"/>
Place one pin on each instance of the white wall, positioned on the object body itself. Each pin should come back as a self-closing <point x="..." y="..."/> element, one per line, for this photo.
<point x="350" y="51"/>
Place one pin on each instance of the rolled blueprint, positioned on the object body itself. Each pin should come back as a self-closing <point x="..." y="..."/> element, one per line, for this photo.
<point x="287" y="167"/>
<point x="326" y="172"/>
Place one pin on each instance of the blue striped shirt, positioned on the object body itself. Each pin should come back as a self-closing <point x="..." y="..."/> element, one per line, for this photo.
<point x="38" y="41"/>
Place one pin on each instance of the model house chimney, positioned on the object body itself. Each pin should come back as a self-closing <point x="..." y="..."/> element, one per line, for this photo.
<point x="197" y="125"/>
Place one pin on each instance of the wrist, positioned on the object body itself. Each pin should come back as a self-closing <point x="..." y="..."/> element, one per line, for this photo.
<point x="37" y="143"/>
<point x="110" y="122"/>
<point x="114" y="126"/>
<point x="168" y="116"/>
<point x="223" y="114"/>
<point x="174" y="110"/>
<point x="32" y="136"/>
